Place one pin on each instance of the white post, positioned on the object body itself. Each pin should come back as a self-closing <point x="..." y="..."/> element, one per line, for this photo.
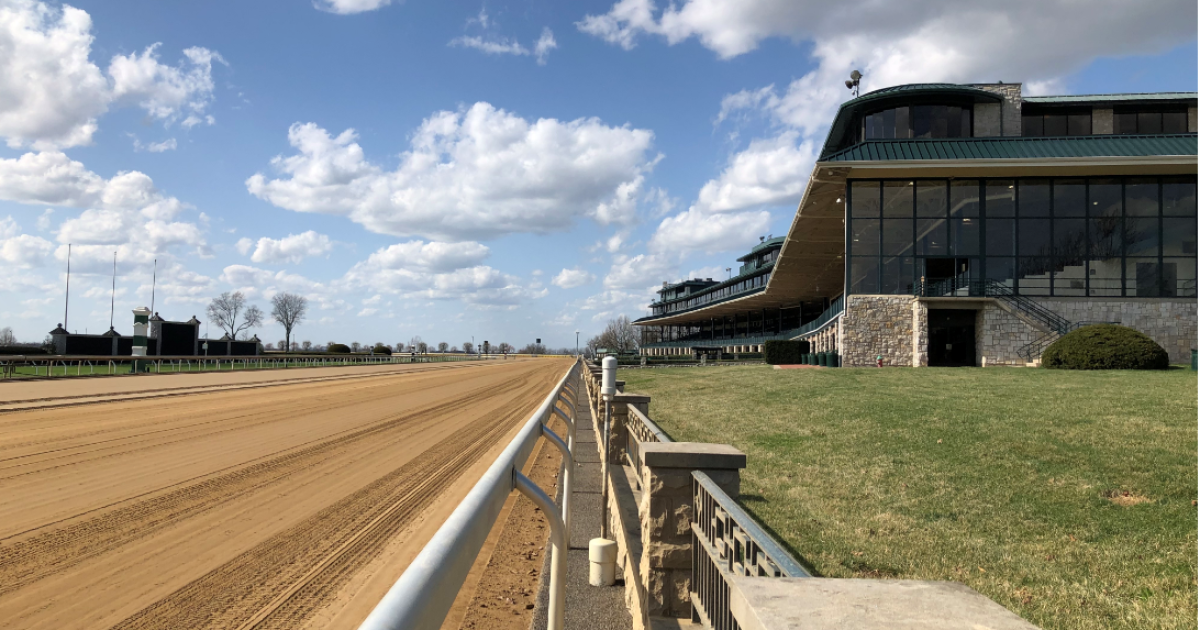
<point x="608" y="389"/>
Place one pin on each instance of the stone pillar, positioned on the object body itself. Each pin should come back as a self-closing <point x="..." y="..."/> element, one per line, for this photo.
<point x="666" y="516"/>
<point x="141" y="320"/>
<point x="618" y="432"/>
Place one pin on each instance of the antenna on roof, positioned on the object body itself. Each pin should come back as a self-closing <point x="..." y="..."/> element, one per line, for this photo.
<point x="852" y="82"/>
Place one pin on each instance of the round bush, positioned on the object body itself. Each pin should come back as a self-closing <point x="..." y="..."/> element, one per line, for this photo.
<point x="382" y="349"/>
<point x="1105" y="347"/>
<point x="338" y="348"/>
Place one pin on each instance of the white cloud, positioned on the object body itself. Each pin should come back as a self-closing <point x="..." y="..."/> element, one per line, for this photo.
<point x="477" y="173"/>
<point x="25" y="250"/>
<point x="490" y="46"/>
<point x="348" y="7"/>
<point x="543" y="46"/>
<point x="54" y="93"/>
<point x="640" y="272"/>
<point x="769" y="172"/>
<point x="709" y="232"/>
<point x="292" y="248"/>
<point x="156" y="147"/>
<point x="571" y="278"/>
<point x="433" y="256"/>
<point x="244" y="245"/>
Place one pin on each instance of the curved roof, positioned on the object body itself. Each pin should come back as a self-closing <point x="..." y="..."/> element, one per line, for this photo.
<point x="1017" y="147"/>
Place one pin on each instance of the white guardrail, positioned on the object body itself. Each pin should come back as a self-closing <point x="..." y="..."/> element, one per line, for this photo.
<point x="423" y="595"/>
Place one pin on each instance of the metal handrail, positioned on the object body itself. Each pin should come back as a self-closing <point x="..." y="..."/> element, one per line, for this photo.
<point x="422" y="596"/>
<point x="727" y="542"/>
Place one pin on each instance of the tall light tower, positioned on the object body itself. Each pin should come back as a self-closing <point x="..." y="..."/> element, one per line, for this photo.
<point x="576" y="343"/>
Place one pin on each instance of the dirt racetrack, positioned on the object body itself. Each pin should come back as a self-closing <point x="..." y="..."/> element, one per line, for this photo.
<point x="286" y="499"/>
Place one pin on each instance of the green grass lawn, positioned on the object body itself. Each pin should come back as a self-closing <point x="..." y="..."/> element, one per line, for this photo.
<point x="1068" y="497"/>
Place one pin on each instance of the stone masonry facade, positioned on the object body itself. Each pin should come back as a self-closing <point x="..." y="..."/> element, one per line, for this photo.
<point x="1170" y="322"/>
<point x="874" y="325"/>
<point x="1000" y="336"/>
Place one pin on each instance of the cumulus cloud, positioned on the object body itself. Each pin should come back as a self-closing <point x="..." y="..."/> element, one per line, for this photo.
<point x="477" y="173"/>
<point x="348" y="7"/>
<point x="543" y="46"/>
<point x="770" y="172"/>
<point x="21" y="250"/>
<point x="54" y="93"/>
<point x="292" y="248"/>
<point x="571" y="278"/>
<point x="490" y="46"/>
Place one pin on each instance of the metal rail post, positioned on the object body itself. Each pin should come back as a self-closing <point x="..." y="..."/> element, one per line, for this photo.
<point x="608" y="389"/>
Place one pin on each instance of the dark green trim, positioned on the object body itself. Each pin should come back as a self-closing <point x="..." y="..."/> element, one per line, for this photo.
<point x="1015" y="148"/>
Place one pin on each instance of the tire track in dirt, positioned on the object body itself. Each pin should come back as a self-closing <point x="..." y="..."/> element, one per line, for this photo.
<point x="54" y="551"/>
<point x="296" y="571"/>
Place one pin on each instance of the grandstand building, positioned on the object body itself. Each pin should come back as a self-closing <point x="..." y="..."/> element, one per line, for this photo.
<point x="967" y="225"/>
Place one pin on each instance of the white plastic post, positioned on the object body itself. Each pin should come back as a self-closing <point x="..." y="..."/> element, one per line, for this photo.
<point x="608" y="389"/>
<point x="602" y="560"/>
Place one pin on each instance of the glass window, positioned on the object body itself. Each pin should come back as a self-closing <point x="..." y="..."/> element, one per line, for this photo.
<point x="897" y="276"/>
<point x="940" y="121"/>
<point x="1033" y="275"/>
<point x="1079" y="124"/>
<point x="864" y="199"/>
<point x="931" y="198"/>
<point x="1179" y="237"/>
<point x="1141" y="277"/>
<point x="1070" y="280"/>
<point x="1070" y="198"/>
<point x="1141" y="197"/>
<point x="898" y="199"/>
<point x="931" y="237"/>
<point x="964" y="237"/>
<point x="1031" y="126"/>
<point x="1000" y="237"/>
<point x="1033" y="237"/>
<point x="864" y="274"/>
<point x="1104" y="240"/>
<point x="1001" y="200"/>
<point x="1070" y="241"/>
<point x="1179" y="196"/>
<point x="1124" y="123"/>
<point x="897" y="237"/>
<point x="1104" y="277"/>
<point x="903" y="130"/>
<point x="1001" y="271"/>
<point x="864" y="237"/>
<point x="964" y="198"/>
<point x="1179" y="277"/>
<point x="1056" y="125"/>
<point x="1034" y="200"/>
<point x="1174" y="122"/>
<point x="1149" y="122"/>
<point x="1141" y="237"/>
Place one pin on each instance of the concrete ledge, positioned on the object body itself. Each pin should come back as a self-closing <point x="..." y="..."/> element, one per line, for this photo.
<point x="631" y="399"/>
<point x="692" y="455"/>
<point x="848" y="604"/>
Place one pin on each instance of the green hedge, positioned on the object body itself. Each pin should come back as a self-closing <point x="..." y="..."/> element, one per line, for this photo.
<point x="382" y="349"/>
<point x="781" y="352"/>
<point x="1105" y="347"/>
<point x="338" y="348"/>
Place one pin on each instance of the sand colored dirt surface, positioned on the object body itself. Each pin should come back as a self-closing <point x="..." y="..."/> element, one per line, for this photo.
<point x="285" y="500"/>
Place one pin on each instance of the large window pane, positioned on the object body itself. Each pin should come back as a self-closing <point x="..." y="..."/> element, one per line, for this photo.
<point x="1179" y="277"/>
<point x="964" y="198"/>
<point x="1174" y="122"/>
<point x="898" y="199"/>
<point x="1033" y="275"/>
<point x="897" y="275"/>
<point x="864" y="274"/>
<point x="1070" y="198"/>
<point x="1069" y="281"/>
<point x="864" y="237"/>
<point x="1056" y="125"/>
<point x="1079" y="124"/>
<point x="1141" y="237"/>
<point x="1034" y="200"/>
<point x="1179" y="196"/>
<point x="1104" y="277"/>
<point x="1070" y="240"/>
<point x="1001" y="271"/>
<point x="1179" y="237"/>
<point x="897" y="237"/>
<point x="1001" y="237"/>
<point x="864" y="199"/>
<point x="932" y="239"/>
<point x="1124" y="123"/>
<point x="1001" y="198"/>
<point x="1141" y="277"/>
<point x="964" y="237"/>
<point x="1149" y="122"/>
<point x="1141" y="197"/>
<point x="902" y="127"/>
<point x="922" y="121"/>
<point x="931" y="198"/>
<point x="1031" y="126"/>
<point x="1033" y="237"/>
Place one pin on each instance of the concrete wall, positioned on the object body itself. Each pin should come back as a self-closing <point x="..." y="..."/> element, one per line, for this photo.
<point x="1102" y="121"/>
<point x="1010" y="107"/>
<point x="876" y="325"/>
<point x="999" y="335"/>
<point x="1169" y="321"/>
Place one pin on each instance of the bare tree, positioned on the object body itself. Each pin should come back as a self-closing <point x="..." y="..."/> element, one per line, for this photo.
<point x="443" y="346"/>
<point x="307" y="345"/>
<point x="355" y="347"/>
<point x="269" y="346"/>
<point x="289" y="310"/>
<point x="226" y="310"/>
<point x="400" y="346"/>
<point x="7" y="338"/>
<point x="504" y="347"/>
<point x="468" y="347"/>
<point x="620" y="335"/>
<point x="422" y="347"/>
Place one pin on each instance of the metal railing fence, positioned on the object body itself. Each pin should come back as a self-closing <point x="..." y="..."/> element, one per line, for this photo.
<point x="726" y="542"/>
<point x="18" y="366"/>
<point x="422" y="596"/>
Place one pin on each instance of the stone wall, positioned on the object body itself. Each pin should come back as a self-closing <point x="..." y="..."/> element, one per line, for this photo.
<point x="1010" y="107"/>
<point x="876" y="325"/>
<point x="920" y="334"/>
<point x="1170" y="322"/>
<point x="1102" y="120"/>
<point x="999" y="335"/>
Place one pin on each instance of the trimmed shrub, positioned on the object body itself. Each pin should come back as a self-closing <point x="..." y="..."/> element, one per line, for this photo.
<point x="783" y="352"/>
<point x="23" y="349"/>
<point x="1105" y="347"/>
<point x="338" y="348"/>
<point x="382" y="349"/>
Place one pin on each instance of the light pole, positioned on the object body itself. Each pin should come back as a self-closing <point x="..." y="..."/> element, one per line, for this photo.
<point x="576" y="343"/>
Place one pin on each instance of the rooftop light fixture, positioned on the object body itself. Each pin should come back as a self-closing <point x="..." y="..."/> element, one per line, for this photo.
<point x="852" y="82"/>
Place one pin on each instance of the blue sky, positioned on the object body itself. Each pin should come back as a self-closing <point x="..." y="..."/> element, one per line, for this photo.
<point x="502" y="170"/>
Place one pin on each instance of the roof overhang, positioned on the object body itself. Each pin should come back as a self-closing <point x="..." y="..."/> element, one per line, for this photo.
<point x="1022" y="167"/>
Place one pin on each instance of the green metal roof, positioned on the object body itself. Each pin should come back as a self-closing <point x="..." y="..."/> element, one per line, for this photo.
<point x="767" y="244"/>
<point x="1111" y="98"/>
<point x="1014" y="148"/>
